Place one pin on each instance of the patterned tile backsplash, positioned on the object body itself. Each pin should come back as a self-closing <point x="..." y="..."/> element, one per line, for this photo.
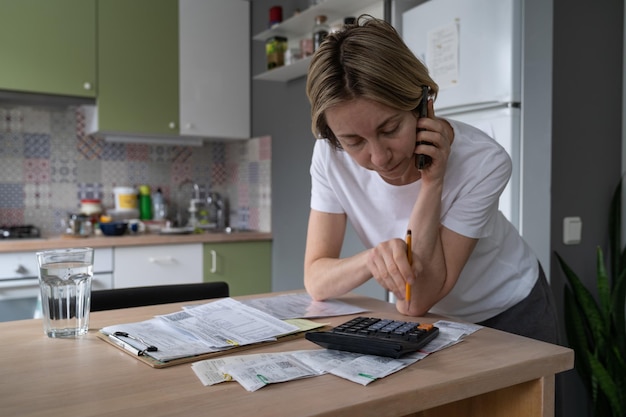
<point x="48" y="164"/>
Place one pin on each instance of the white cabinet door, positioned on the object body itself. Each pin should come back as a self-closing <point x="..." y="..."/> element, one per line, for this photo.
<point x="102" y="282"/>
<point x="214" y="50"/>
<point x="18" y="265"/>
<point x="15" y="265"/>
<point x="139" y="266"/>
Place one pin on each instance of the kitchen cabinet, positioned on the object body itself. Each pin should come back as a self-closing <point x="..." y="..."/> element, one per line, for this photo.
<point x="299" y="26"/>
<point x="138" y="266"/>
<point x="173" y="68"/>
<point x="215" y="68"/>
<point x="48" y="47"/>
<point x="245" y="266"/>
<point x="23" y="265"/>
<point x="138" y="67"/>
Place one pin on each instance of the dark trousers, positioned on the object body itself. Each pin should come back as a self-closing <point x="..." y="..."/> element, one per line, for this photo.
<point x="534" y="317"/>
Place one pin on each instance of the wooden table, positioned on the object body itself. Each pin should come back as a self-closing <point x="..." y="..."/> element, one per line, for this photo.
<point x="491" y="373"/>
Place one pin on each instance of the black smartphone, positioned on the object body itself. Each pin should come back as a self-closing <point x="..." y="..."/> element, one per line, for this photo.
<point x="422" y="161"/>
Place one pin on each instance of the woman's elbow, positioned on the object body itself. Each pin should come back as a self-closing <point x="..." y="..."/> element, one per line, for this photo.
<point x="412" y="309"/>
<point x="314" y="292"/>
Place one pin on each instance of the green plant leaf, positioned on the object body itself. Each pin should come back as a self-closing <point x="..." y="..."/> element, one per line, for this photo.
<point x="618" y="312"/>
<point x="618" y="368"/>
<point x="604" y="291"/>
<point x="607" y="385"/>
<point x="586" y="302"/>
<point x="615" y="232"/>
<point x="576" y="329"/>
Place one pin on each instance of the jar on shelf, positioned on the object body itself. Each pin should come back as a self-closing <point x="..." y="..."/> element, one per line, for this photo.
<point x="91" y="208"/>
<point x="320" y="31"/>
<point x="306" y="47"/>
<point x="276" y="16"/>
<point x="275" y="48"/>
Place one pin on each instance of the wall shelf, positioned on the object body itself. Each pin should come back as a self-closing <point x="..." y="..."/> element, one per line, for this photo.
<point x="287" y="72"/>
<point x="299" y="26"/>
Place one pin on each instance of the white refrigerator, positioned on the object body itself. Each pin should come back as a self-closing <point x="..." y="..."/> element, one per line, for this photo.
<point x="473" y="51"/>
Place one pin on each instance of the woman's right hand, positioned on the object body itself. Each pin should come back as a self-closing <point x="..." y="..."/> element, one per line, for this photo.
<point x="389" y="265"/>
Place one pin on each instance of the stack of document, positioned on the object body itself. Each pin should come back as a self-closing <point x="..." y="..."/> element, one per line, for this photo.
<point x="255" y="371"/>
<point x="301" y="305"/>
<point x="199" y="329"/>
<point x="220" y="325"/>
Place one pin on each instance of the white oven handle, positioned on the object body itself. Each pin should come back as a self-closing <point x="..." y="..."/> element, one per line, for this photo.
<point x="18" y="283"/>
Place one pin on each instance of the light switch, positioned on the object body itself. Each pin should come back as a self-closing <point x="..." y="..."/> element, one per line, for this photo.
<point x="572" y="230"/>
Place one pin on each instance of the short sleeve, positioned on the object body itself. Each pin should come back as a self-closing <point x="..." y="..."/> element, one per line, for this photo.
<point x="323" y="197"/>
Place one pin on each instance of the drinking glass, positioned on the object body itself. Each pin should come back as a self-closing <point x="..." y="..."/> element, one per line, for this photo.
<point x="65" y="283"/>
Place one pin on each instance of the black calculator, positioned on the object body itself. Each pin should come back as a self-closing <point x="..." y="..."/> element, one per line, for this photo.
<point x="375" y="336"/>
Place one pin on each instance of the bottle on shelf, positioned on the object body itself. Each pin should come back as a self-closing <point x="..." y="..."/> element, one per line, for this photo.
<point x="159" y="209"/>
<point x="320" y="31"/>
<point x="145" y="203"/>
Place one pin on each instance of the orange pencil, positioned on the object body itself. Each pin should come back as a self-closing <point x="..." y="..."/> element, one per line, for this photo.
<point x="409" y="255"/>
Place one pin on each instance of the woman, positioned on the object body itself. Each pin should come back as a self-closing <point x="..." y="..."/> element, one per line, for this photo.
<point x="468" y="261"/>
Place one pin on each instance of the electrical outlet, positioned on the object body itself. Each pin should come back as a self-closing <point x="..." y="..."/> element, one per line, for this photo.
<point x="572" y="230"/>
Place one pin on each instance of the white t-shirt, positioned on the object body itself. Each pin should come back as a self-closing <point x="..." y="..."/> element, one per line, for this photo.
<point x="501" y="270"/>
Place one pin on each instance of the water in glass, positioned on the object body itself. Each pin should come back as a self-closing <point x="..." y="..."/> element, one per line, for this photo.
<point x="65" y="296"/>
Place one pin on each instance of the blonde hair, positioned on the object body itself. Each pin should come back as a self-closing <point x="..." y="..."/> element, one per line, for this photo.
<point x="367" y="59"/>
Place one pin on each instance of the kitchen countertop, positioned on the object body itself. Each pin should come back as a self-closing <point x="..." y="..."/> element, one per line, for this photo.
<point x="57" y="242"/>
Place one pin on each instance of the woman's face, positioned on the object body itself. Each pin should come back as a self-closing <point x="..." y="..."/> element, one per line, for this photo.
<point x="377" y="137"/>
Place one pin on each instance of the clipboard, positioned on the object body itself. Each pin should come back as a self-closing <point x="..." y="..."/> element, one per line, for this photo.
<point x="154" y="363"/>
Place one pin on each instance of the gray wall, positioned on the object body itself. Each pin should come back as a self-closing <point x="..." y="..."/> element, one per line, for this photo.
<point x="587" y="113"/>
<point x="586" y="41"/>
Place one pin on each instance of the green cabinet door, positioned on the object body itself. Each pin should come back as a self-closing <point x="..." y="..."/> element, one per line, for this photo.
<point x="48" y="47"/>
<point x="138" y="66"/>
<point x="245" y="266"/>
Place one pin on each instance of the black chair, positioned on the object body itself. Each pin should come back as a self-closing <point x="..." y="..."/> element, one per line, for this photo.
<point x="159" y="294"/>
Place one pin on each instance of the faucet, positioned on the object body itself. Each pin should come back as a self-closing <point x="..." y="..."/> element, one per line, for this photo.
<point x="196" y="190"/>
<point x="186" y="192"/>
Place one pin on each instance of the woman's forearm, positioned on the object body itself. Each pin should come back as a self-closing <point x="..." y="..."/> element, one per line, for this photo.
<point x="331" y="277"/>
<point x="427" y="249"/>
